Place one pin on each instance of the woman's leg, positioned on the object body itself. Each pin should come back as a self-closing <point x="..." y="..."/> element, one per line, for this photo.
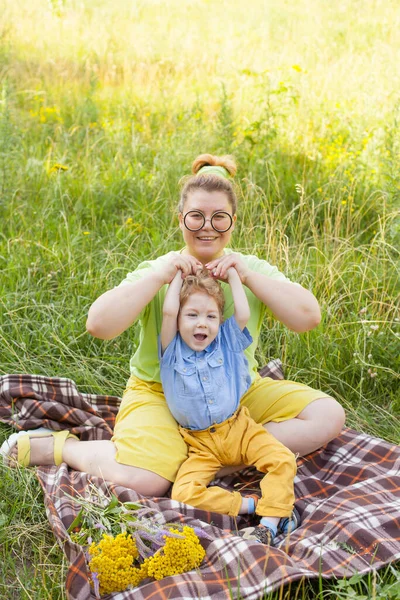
<point x="98" y="458"/>
<point x="302" y="418"/>
<point x="316" y="425"/>
<point x="145" y="434"/>
<point x="144" y="454"/>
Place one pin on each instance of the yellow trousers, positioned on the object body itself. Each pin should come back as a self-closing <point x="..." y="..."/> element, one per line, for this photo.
<point x="146" y="434"/>
<point x="238" y="440"/>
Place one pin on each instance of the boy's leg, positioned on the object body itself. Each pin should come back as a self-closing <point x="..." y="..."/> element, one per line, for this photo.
<point x="302" y="418"/>
<point x="261" y="450"/>
<point x="191" y="483"/>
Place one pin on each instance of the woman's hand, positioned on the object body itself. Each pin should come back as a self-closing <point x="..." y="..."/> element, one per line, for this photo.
<point x="219" y="267"/>
<point x="187" y="264"/>
<point x="114" y="311"/>
<point x="291" y="304"/>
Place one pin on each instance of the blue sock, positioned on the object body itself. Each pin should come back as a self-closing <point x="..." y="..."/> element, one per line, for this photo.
<point x="251" y="506"/>
<point x="267" y="523"/>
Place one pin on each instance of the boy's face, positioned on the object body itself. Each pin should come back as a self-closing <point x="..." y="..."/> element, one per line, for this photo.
<point x="199" y="321"/>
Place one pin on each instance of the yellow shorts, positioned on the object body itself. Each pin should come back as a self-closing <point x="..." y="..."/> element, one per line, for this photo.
<point x="146" y="434"/>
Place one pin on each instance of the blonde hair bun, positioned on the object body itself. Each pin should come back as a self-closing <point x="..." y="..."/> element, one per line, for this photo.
<point x="209" y="160"/>
<point x="209" y="181"/>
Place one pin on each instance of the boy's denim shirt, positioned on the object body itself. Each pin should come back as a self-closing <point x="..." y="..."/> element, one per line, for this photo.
<point x="204" y="388"/>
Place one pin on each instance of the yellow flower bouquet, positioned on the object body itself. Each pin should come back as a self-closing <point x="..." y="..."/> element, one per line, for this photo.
<point x="127" y="542"/>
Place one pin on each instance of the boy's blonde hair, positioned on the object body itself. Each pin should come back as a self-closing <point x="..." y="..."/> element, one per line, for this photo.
<point x="202" y="282"/>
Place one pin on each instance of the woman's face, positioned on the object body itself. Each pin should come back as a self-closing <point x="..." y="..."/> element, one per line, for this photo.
<point x="206" y="244"/>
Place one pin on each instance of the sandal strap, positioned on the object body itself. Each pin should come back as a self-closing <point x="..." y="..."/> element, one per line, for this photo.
<point x="24" y="446"/>
<point x="60" y="438"/>
<point x="24" y="450"/>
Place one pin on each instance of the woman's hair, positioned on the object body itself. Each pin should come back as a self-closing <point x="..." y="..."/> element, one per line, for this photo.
<point x="202" y="282"/>
<point x="210" y="182"/>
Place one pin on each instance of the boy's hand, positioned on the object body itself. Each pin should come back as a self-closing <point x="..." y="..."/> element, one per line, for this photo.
<point x="219" y="267"/>
<point x="188" y="265"/>
<point x="240" y="302"/>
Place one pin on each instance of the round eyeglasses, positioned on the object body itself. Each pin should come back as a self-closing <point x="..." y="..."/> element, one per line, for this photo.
<point x="221" y="221"/>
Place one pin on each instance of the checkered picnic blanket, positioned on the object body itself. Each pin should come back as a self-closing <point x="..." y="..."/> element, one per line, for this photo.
<point x="348" y="494"/>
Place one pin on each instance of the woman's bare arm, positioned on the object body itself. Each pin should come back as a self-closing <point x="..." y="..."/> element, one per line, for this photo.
<point x="291" y="304"/>
<point x="116" y="310"/>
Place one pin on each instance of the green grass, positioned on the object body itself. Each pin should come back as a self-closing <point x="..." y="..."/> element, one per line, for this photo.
<point x="125" y="95"/>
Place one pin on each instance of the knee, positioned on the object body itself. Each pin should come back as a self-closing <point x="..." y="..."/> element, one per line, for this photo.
<point x="181" y="494"/>
<point x="288" y="459"/>
<point x="144" y="483"/>
<point x="335" y="417"/>
<point x="325" y="418"/>
<point x="158" y="488"/>
<point x="331" y="419"/>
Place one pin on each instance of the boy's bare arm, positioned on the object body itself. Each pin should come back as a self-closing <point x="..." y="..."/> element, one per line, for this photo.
<point x="242" y="309"/>
<point x="171" y="305"/>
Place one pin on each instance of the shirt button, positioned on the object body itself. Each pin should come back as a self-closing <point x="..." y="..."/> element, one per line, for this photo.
<point x="211" y="401"/>
<point x="220" y="361"/>
<point x="205" y="378"/>
<point x="184" y="370"/>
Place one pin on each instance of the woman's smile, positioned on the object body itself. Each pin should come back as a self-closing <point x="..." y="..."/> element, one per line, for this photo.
<point x="206" y="244"/>
<point x="207" y="238"/>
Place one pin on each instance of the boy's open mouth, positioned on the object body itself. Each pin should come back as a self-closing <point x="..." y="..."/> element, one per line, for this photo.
<point x="200" y="337"/>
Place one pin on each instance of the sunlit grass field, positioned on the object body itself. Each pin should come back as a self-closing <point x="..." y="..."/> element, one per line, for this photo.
<point x="103" y="107"/>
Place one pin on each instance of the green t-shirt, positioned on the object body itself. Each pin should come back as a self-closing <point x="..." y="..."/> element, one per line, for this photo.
<point x="144" y="363"/>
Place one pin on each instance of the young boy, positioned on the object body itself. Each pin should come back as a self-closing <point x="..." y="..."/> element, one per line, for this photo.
<point x="204" y="374"/>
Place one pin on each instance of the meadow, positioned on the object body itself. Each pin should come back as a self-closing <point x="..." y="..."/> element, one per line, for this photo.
<point x="103" y="107"/>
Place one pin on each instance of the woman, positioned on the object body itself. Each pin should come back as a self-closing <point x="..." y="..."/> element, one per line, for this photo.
<point x="147" y="449"/>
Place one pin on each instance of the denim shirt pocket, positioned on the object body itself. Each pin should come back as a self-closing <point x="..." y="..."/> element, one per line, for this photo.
<point x="217" y="369"/>
<point x="186" y="380"/>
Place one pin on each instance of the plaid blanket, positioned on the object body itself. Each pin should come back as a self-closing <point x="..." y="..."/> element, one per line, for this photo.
<point x="348" y="494"/>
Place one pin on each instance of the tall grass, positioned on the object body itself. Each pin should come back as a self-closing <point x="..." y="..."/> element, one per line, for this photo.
<point x="122" y="96"/>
